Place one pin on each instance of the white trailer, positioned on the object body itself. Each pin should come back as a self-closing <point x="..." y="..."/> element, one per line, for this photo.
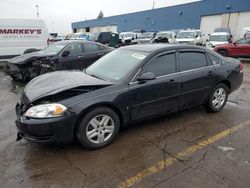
<point x="18" y="36"/>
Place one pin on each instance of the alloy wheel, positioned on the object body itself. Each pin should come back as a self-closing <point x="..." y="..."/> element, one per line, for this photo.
<point x="100" y="129"/>
<point x="219" y="97"/>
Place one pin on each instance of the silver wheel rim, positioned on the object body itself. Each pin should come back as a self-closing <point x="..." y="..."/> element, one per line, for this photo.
<point x="100" y="129"/>
<point x="219" y="97"/>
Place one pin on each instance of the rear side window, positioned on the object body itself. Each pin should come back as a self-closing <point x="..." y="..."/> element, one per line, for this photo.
<point x="162" y="65"/>
<point x="214" y="60"/>
<point x="192" y="60"/>
<point x="91" y="47"/>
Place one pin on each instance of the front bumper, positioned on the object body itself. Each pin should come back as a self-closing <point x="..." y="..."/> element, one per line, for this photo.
<point x="47" y="130"/>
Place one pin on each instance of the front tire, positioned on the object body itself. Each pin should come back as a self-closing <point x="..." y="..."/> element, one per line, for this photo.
<point x="217" y="98"/>
<point x="98" y="128"/>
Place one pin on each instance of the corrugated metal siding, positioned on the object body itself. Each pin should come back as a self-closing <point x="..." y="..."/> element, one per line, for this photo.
<point x="175" y="17"/>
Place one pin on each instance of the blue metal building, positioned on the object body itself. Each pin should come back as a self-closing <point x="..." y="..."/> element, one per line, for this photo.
<point x="167" y="18"/>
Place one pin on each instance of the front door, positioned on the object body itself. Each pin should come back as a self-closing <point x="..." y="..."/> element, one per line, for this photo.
<point x="158" y="96"/>
<point x="75" y="56"/>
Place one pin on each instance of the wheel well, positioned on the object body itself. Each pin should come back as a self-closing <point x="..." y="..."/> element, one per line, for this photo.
<point x="227" y="83"/>
<point x="115" y="109"/>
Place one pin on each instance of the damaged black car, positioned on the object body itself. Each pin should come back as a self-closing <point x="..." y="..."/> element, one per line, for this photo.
<point x="127" y="85"/>
<point x="64" y="55"/>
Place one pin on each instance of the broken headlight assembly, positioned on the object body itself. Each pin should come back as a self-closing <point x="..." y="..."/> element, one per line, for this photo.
<point x="46" y="111"/>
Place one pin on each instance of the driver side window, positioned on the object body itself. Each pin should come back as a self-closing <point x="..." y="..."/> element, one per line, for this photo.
<point x="74" y="49"/>
<point x="244" y="41"/>
<point x="162" y="65"/>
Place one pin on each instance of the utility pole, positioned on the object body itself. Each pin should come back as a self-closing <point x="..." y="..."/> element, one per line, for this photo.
<point x="52" y="27"/>
<point x="37" y="11"/>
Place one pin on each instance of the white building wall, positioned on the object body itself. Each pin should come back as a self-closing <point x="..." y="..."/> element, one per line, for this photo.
<point x="236" y="21"/>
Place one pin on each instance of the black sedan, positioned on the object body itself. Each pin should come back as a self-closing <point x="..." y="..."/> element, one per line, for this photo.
<point x="64" y="55"/>
<point x="127" y="85"/>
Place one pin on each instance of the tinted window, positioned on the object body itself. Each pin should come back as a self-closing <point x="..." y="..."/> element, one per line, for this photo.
<point x="214" y="60"/>
<point x="91" y="48"/>
<point x="162" y="65"/>
<point x="192" y="60"/>
<point x="74" y="49"/>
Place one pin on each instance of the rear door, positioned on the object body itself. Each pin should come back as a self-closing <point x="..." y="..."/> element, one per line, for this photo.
<point x="197" y="77"/>
<point x="159" y="96"/>
<point x="92" y="52"/>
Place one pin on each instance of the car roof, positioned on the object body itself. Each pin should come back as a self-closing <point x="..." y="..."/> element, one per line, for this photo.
<point x="155" y="47"/>
<point x="65" y="42"/>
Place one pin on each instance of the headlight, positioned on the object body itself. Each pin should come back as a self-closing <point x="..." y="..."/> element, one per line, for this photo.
<point x="45" y="111"/>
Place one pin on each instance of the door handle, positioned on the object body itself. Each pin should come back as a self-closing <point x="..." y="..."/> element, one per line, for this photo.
<point x="171" y="82"/>
<point x="210" y="73"/>
<point x="80" y="56"/>
<point x="100" y="54"/>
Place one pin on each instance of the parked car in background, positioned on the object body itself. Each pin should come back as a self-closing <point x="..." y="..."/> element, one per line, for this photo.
<point x="165" y="37"/>
<point x="61" y="37"/>
<point x="127" y="38"/>
<point x="218" y="38"/>
<point x="108" y="38"/>
<point x="240" y="48"/>
<point x="190" y="37"/>
<point x="120" y="89"/>
<point x="146" y="38"/>
<point x="63" y="55"/>
<point x="224" y="30"/>
<point x="21" y="36"/>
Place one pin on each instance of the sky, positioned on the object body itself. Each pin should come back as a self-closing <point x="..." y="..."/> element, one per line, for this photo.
<point x="59" y="14"/>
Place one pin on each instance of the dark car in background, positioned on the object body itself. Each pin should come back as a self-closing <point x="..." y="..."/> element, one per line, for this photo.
<point x="240" y="48"/>
<point x="108" y="38"/>
<point x="127" y="85"/>
<point x="64" y="55"/>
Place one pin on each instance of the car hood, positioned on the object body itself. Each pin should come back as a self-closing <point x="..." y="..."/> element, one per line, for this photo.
<point x="216" y="43"/>
<point x="185" y="39"/>
<point x="22" y="59"/>
<point x="225" y="45"/>
<point x="56" y="82"/>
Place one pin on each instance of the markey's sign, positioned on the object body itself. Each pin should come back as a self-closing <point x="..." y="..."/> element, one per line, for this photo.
<point x="21" y="31"/>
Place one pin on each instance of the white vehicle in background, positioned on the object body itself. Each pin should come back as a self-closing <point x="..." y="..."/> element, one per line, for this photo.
<point x="146" y="38"/>
<point x="218" y="38"/>
<point x="165" y="37"/>
<point x="20" y="36"/>
<point x="127" y="38"/>
<point x="246" y="32"/>
<point x="190" y="37"/>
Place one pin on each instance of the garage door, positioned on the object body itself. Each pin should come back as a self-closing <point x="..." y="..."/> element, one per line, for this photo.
<point x="208" y="23"/>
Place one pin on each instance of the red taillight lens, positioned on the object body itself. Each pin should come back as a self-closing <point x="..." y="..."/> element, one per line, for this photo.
<point x="241" y="67"/>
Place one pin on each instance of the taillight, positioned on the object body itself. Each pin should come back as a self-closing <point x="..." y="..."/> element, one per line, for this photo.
<point x="241" y="67"/>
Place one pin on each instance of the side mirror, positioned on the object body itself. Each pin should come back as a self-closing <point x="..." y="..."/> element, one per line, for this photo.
<point x="65" y="53"/>
<point x="235" y="43"/>
<point x="196" y="36"/>
<point x="207" y="40"/>
<point x="146" y="76"/>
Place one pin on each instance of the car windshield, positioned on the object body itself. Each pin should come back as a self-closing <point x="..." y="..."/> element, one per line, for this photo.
<point x="218" y="38"/>
<point x="168" y="35"/>
<point x="116" y="65"/>
<point x="188" y="34"/>
<point x="53" y="48"/>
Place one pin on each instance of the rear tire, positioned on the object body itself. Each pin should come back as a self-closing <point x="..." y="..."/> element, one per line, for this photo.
<point x="217" y="98"/>
<point x="223" y="53"/>
<point x="98" y="128"/>
<point x="30" y="51"/>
